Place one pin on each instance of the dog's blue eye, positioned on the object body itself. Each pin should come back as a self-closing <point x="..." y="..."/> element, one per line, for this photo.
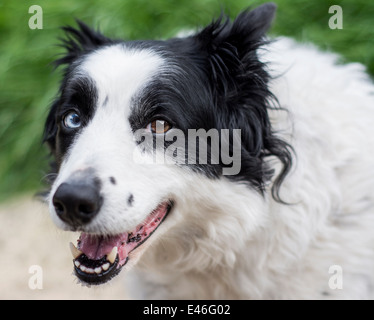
<point x="72" y="120"/>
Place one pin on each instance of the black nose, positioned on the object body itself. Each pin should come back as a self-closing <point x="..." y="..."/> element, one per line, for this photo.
<point x="77" y="203"/>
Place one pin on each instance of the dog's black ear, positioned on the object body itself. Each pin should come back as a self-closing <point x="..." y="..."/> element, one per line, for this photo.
<point x="232" y="46"/>
<point x="80" y="41"/>
<point x="249" y="26"/>
<point x="239" y="86"/>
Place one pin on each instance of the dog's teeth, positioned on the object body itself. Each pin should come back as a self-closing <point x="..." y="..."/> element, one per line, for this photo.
<point x="98" y="270"/>
<point x="83" y="268"/>
<point x="74" y="251"/>
<point x="111" y="257"/>
<point x="90" y="270"/>
<point x="105" y="266"/>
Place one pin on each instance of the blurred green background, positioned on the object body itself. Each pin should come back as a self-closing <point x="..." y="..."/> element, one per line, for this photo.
<point x="28" y="83"/>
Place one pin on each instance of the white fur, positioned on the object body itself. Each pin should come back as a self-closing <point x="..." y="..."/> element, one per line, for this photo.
<point x="223" y="240"/>
<point x="107" y="143"/>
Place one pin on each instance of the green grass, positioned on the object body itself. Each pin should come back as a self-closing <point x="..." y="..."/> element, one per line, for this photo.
<point x="28" y="85"/>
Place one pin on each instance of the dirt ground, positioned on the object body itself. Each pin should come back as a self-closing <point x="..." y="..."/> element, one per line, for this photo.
<point x="35" y="260"/>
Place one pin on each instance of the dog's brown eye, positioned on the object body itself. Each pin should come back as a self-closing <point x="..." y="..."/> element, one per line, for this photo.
<point x="159" y="126"/>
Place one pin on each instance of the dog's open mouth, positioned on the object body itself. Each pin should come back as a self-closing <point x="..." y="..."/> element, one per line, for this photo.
<point x="98" y="258"/>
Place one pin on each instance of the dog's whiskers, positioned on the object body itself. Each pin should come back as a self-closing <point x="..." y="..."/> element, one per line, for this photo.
<point x="49" y="178"/>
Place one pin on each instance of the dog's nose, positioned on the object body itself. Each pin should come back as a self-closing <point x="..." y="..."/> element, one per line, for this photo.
<point x="77" y="203"/>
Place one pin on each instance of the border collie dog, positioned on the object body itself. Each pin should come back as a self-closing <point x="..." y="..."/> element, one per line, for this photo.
<point x="218" y="165"/>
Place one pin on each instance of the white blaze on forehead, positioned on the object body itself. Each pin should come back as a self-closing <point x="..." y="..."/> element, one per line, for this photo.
<point x="119" y="72"/>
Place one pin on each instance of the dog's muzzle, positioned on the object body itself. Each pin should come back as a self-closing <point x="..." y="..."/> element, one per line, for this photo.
<point x="98" y="257"/>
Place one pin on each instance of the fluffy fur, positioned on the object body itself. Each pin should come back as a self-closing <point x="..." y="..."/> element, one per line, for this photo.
<point x="303" y="200"/>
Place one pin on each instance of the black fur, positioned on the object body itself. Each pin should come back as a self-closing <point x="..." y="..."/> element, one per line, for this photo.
<point x="81" y="41"/>
<point x="77" y="44"/>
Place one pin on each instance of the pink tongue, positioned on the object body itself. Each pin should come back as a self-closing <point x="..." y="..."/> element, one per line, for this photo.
<point x="96" y="247"/>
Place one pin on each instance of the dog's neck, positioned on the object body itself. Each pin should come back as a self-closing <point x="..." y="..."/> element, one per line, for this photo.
<point x="230" y="243"/>
<point x="198" y="256"/>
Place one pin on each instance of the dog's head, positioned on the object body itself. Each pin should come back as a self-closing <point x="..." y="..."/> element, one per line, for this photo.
<point x="124" y="105"/>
